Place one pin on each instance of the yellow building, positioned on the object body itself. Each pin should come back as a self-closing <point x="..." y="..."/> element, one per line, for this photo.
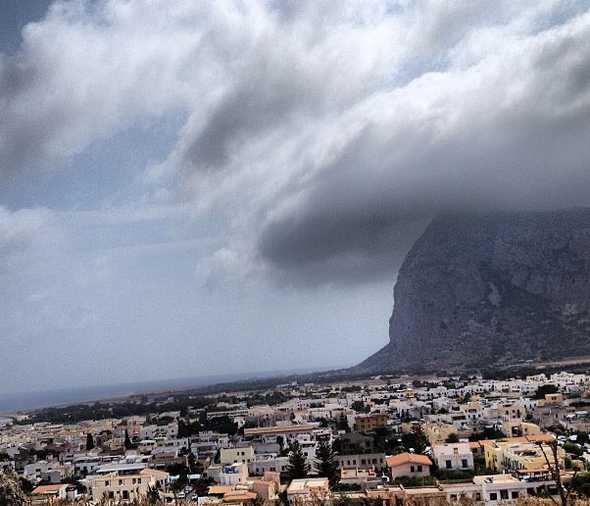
<point x="520" y="428"/>
<point x="365" y="423"/>
<point x="127" y="486"/>
<point x="438" y="432"/>
<point x="243" y="455"/>
<point x="508" y="456"/>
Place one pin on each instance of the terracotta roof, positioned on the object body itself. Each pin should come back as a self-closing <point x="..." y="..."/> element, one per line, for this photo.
<point x="547" y="438"/>
<point x="48" y="489"/>
<point x="407" y="458"/>
<point x="220" y="489"/>
<point x="239" y="496"/>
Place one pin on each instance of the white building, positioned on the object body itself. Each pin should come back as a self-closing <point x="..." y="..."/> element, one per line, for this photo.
<point x="453" y="456"/>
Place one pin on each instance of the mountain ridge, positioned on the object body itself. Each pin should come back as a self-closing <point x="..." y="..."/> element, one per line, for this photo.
<point x="491" y="288"/>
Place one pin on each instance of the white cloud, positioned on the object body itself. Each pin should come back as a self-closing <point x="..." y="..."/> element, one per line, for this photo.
<point x="322" y="133"/>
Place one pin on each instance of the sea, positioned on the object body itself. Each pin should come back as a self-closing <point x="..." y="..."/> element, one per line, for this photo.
<point x="13" y="402"/>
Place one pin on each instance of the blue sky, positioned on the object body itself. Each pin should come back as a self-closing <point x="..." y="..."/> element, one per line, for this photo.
<point x="206" y="188"/>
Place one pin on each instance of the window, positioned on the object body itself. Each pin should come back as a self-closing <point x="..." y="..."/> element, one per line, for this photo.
<point x="464" y="462"/>
<point x="125" y="494"/>
<point x="493" y="496"/>
<point x="419" y="469"/>
<point x="120" y="482"/>
<point x="448" y="464"/>
<point x="515" y="494"/>
<point x="503" y="494"/>
<point x="411" y="469"/>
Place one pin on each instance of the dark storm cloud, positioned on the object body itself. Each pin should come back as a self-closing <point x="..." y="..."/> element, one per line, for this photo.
<point x="320" y="138"/>
<point x="516" y="141"/>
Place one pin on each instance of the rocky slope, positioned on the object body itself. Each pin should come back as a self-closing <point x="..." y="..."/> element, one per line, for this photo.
<point x="491" y="289"/>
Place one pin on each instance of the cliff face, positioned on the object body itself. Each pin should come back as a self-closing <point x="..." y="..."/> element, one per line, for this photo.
<point x="491" y="289"/>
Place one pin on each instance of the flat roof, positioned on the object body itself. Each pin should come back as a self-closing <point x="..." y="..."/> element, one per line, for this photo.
<point x="279" y="428"/>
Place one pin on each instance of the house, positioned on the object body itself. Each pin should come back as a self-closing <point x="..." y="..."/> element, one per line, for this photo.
<point x="365" y="423"/>
<point x="364" y="478"/>
<point x="361" y="460"/>
<point x="287" y="432"/>
<point x="231" y="474"/>
<point x="236" y="455"/>
<point x="47" y="494"/>
<point x="438" y="432"/>
<point x="48" y="471"/>
<point x="354" y="443"/>
<point x="500" y="488"/>
<point x="510" y="455"/>
<point x="520" y="428"/>
<point x="268" y="488"/>
<point x="268" y="463"/>
<point x="453" y="457"/>
<point x="409" y="465"/>
<point x="308" y="490"/>
<point x="121" y="486"/>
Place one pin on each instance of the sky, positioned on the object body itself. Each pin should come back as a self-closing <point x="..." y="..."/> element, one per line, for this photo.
<point x="192" y="188"/>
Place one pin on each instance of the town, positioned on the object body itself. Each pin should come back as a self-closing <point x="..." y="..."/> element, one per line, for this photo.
<point x="381" y="440"/>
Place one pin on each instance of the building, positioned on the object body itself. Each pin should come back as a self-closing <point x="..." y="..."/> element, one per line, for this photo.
<point x="410" y="465"/>
<point x="119" y="486"/>
<point x="500" y="488"/>
<point x="509" y="456"/>
<point x="47" y="494"/>
<point x="268" y="463"/>
<point x="243" y="455"/>
<point x="453" y="457"/>
<point x="288" y="432"/>
<point x="438" y="432"/>
<point x="230" y="474"/>
<point x="361" y="460"/>
<point x="364" y="478"/>
<point x="268" y="488"/>
<point x="366" y="423"/>
<point x="308" y="490"/>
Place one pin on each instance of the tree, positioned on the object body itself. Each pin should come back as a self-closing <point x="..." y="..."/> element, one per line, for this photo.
<point x="11" y="493"/>
<point x="191" y="462"/>
<point x="360" y="407"/>
<point x="297" y="467"/>
<point x="153" y="495"/>
<point x="128" y="443"/>
<point x="342" y="423"/>
<point x="182" y="480"/>
<point x="552" y="462"/>
<point x="452" y="438"/>
<point x="581" y="484"/>
<point x="327" y="465"/>
<point x="89" y="442"/>
<point x="546" y="389"/>
<point x="415" y="440"/>
<point x="281" y="443"/>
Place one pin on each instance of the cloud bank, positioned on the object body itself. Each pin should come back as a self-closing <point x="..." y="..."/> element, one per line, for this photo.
<point x="320" y="137"/>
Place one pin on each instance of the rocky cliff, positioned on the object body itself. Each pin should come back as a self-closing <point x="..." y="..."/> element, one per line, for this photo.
<point x="491" y="289"/>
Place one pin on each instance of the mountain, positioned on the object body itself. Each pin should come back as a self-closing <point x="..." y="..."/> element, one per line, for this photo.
<point x="491" y="289"/>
